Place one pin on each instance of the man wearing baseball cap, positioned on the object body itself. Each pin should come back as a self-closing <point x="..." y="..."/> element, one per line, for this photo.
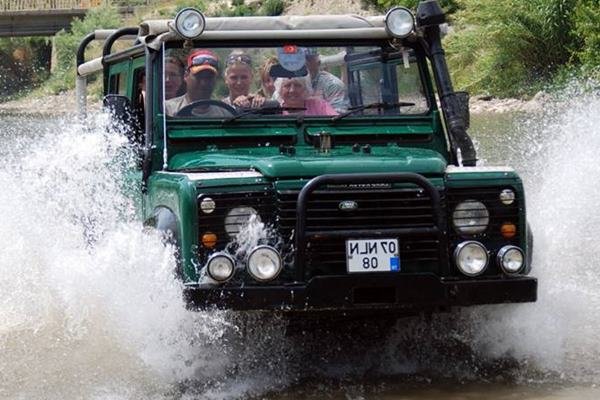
<point x="200" y="78"/>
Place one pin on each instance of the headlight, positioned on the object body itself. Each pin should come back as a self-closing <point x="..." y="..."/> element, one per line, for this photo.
<point x="264" y="263"/>
<point x="471" y="258"/>
<point x="510" y="259"/>
<point x="189" y="23"/>
<point x="237" y="218"/>
<point x="470" y="217"/>
<point x="399" y="22"/>
<point x="220" y="267"/>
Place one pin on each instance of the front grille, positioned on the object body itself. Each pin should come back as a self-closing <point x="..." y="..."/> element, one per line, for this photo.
<point x="377" y="209"/>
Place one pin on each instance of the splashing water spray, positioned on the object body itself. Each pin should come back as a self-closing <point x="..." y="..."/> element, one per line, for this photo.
<point x="91" y="308"/>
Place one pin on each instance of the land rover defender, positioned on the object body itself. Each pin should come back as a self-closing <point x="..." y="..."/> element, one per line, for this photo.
<point x="300" y="201"/>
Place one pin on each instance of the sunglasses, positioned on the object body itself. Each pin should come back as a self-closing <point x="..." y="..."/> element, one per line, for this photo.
<point x="239" y="58"/>
<point x="205" y="60"/>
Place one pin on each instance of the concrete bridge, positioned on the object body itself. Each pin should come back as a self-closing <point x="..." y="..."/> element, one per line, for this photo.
<point x="46" y="17"/>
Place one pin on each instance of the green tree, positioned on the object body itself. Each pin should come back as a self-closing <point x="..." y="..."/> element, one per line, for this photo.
<point x="67" y="43"/>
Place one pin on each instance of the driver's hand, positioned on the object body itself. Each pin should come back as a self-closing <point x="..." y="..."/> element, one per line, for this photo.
<point x="249" y="101"/>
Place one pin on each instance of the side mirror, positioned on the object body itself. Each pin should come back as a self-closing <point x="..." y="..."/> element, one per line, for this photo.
<point x="124" y="117"/>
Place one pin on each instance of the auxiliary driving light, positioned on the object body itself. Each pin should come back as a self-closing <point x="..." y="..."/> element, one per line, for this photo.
<point x="399" y="22"/>
<point x="264" y="263"/>
<point x="471" y="258"/>
<point x="220" y="267"/>
<point x="189" y="23"/>
<point x="510" y="259"/>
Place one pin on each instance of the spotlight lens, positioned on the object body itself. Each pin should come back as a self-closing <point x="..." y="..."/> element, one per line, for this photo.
<point x="399" y="22"/>
<point x="471" y="258"/>
<point x="189" y="23"/>
<point x="264" y="263"/>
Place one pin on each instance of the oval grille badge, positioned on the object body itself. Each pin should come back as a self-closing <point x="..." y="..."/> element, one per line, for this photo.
<point x="348" y="205"/>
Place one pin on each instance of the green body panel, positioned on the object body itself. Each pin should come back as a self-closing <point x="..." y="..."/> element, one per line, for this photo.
<point x="309" y="162"/>
<point x="177" y="193"/>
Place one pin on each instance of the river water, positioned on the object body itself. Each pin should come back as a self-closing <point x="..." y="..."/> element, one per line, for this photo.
<point x="89" y="308"/>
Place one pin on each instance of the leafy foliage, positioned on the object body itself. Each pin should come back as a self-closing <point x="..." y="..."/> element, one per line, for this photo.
<point x="66" y="44"/>
<point x="512" y="47"/>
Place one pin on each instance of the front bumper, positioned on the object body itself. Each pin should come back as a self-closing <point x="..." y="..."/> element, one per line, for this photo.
<point x="406" y="292"/>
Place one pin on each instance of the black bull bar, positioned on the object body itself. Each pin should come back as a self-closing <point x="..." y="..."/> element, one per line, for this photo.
<point x="400" y="291"/>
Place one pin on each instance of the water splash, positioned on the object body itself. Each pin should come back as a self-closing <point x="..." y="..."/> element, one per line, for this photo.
<point x="90" y="307"/>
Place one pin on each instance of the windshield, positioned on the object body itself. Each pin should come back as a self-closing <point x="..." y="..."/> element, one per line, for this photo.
<point x="291" y="80"/>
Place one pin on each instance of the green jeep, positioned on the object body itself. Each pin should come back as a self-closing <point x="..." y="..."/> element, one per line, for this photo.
<point x="347" y="183"/>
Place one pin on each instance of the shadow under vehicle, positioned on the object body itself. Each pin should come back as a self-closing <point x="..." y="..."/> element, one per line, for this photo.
<point x="379" y="207"/>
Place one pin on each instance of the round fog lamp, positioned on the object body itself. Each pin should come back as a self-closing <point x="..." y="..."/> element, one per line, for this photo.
<point x="399" y="22"/>
<point x="471" y="258"/>
<point x="220" y="267"/>
<point x="510" y="259"/>
<point x="264" y="263"/>
<point x="189" y="23"/>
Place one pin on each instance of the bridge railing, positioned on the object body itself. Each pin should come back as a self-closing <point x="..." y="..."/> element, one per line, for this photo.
<point x="36" y="5"/>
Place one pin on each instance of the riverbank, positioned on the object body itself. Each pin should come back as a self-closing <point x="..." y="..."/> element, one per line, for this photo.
<point x="61" y="104"/>
<point x="64" y="104"/>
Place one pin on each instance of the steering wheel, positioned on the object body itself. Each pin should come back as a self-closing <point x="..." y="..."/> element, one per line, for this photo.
<point x="187" y="110"/>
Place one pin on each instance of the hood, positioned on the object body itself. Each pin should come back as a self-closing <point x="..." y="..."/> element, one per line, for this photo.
<point x="310" y="162"/>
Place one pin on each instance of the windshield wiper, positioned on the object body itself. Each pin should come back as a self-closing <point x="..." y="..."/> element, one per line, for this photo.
<point x="378" y="105"/>
<point x="262" y="111"/>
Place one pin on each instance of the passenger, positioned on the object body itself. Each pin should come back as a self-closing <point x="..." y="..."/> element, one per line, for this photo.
<point x="295" y="92"/>
<point x="174" y="70"/>
<point x="267" y="83"/>
<point x="238" y="78"/>
<point x="200" y="78"/>
<point x="325" y="84"/>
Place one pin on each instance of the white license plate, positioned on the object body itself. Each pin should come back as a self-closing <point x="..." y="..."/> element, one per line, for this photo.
<point x="372" y="255"/>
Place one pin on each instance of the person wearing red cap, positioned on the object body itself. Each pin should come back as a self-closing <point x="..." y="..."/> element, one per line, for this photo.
<point x="200" y="78"/>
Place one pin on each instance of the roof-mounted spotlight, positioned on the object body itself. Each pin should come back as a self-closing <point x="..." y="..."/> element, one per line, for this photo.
<point x="399" y="22"/>
<point x="189" y="23"/>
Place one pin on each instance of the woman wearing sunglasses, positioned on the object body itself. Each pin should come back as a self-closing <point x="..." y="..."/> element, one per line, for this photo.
<point x="238" y="78"/>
